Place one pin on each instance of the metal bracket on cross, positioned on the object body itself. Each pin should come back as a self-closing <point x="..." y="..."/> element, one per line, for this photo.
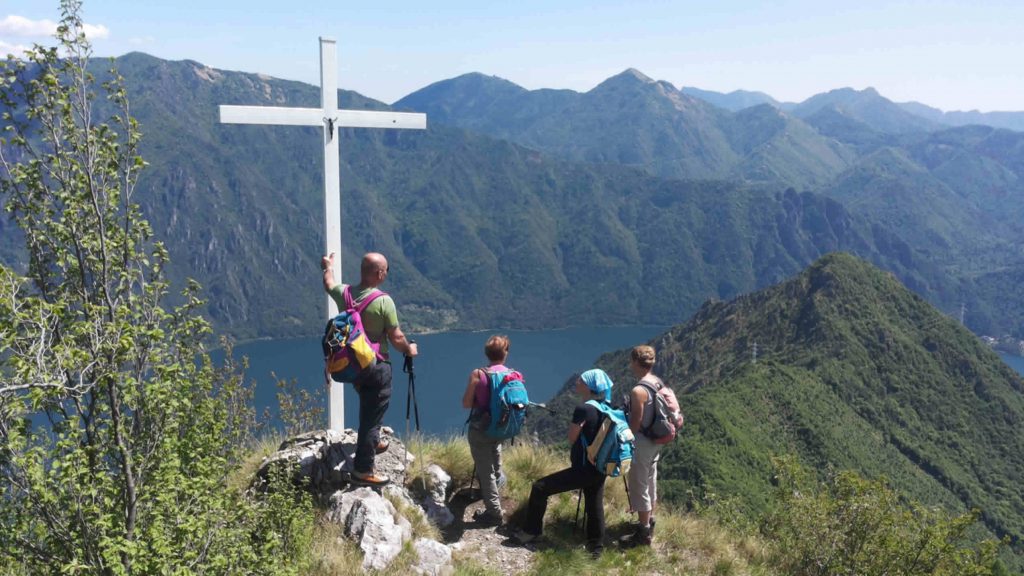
<point x="330" y="119"/>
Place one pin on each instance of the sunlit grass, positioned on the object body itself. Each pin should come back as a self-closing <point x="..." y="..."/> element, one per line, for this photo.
<point x="331" y="554"/>
<point x="685" y="544"/>
<point x="241" y="477"/>
<point x="450" y="453"/>
<point x="421" y="527"/>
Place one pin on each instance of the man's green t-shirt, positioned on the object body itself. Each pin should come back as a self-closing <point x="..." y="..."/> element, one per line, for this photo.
<point x="379" y="317"/>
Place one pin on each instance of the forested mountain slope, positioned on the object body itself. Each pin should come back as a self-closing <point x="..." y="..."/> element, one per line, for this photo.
<point x="852" y="371"/>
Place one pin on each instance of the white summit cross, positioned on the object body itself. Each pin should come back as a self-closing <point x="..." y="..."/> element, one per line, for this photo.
<point x="330" y="118"/>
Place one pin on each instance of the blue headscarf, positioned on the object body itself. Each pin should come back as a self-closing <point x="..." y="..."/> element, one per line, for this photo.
<point x="599" y="383"/>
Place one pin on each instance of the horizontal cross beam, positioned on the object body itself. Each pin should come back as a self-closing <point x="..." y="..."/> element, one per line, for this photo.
<point x="315" y="117"/>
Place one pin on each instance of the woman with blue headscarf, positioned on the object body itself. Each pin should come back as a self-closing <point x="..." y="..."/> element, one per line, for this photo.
<point x="586" y="421"/>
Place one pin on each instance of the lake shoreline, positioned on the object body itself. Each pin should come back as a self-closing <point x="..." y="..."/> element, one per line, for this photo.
<point x="431" y="332"/>
<point x="547" y="359"/>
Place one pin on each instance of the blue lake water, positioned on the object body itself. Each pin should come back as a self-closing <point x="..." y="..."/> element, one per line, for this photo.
<point x="1015" y="362"/>
<point x="546" y="359"/>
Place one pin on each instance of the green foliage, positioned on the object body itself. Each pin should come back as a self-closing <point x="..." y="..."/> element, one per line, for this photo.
<point x="118" y="433"/>
<point x="300" y="409"/>
<point x="850" y="525"/>
<point x="853" y="372"/>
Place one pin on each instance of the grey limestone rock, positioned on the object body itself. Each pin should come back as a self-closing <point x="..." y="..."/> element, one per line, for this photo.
<point x="435" y="501"/>
<point x="372" y="521"/>
<point x="322" y="460"/>
<point x="435" y="559"/>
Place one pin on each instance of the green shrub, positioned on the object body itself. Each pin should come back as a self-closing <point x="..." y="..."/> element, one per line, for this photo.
<point x="120" y="441"/>
<point x="850" y="525"/>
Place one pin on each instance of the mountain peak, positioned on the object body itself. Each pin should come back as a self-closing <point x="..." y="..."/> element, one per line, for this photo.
<point x="441" y="99"/>
<point x="734" y="101"/>
<point x="867" y="106"/>
<point x="628" y="78"/>
<point x="633" y="72"/>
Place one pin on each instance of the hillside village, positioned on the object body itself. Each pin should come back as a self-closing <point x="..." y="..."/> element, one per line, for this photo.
<point x="1007" y="344"/>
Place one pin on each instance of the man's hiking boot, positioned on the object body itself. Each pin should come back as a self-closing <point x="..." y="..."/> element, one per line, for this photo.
<point x="371" y="479"/>
<point x="485" y="518"/>
<point x="381" y="447"/>
<point x="640" y="537"/>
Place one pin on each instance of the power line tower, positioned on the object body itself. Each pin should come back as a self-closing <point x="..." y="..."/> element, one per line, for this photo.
<point x="963" y="312"/>
<point x="754" y="353"/>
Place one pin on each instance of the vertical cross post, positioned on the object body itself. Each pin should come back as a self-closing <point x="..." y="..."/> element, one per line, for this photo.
<point x="330" y="119"/>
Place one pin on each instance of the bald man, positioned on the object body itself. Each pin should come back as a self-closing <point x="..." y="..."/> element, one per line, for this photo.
<point x="380" y="321"/>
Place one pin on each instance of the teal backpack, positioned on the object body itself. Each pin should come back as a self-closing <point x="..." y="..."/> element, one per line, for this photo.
<point x="612" y="449"/>
<point x="508" y="403"/>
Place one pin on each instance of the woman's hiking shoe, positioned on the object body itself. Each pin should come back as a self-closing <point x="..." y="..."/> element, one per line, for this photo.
<point x="524" y="537"/>
<point x="640" y="537"/>
<point x="485" y="518"/>
<point x="595" y="550"/>
<point x="371" y="479"/>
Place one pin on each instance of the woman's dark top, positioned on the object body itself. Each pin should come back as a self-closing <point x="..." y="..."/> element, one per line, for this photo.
<point x="590" y="417"/>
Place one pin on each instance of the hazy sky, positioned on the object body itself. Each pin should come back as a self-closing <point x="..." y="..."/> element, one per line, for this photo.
<point x="952" y="55"/>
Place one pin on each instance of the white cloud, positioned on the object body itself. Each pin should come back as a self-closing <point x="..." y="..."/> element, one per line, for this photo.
<point x="20" y="26"/>
<point x="15" y="49"/>
<point x="96" y="31"/>
<point x="14" y="25"/>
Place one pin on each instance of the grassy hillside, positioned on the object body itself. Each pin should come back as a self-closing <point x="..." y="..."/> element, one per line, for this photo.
<point x="853" y="371"/>
<point x="709" y="541"/>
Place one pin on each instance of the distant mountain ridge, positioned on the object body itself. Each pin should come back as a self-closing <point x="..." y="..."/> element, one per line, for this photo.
<point x="479" y="232"/>
<point x="867" y="106"/>
<point x="956" y="194"/>
<point x="1008" y="120"/>
<point x="734" y="101"/>
<point x="633" y="120"/>
<point x="847" y="369"/>
<point x="485" y="232"/>
<point x="739" y="99"/>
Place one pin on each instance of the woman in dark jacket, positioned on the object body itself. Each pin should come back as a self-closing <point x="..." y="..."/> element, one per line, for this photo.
<point x="586" y="420"/>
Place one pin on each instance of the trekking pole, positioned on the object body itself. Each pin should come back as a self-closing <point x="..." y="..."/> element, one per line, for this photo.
<point x="472" y="479"/>
<point x="407" y="367"/>
<point x="576" y="522"/>
<point x="410" y="401"/>
<point x="541" y="406"/>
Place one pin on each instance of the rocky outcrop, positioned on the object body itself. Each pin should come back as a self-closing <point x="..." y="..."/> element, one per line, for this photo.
<point x="435" y="559"/>
<point x="321" y="462"/>
<point x="372" y="521"/>
<point x="435" y="501"/>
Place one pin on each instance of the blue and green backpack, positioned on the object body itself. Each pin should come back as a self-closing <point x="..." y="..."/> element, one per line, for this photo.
<point x="612" y="449"/>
